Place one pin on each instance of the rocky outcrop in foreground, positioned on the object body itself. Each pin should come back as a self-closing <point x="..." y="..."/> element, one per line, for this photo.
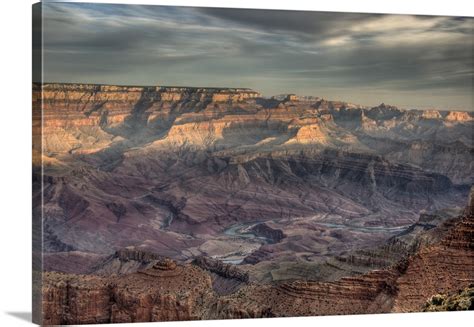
<point x="164" y="292"/>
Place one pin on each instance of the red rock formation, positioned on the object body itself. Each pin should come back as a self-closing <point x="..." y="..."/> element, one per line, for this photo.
<point x="441" y="268"/>
<point x="82" y="117"/>
<point x="164" y="292"/>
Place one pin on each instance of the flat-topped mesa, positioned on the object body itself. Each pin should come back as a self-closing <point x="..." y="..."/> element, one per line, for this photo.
<point x="57" y="91"/>
<point x="86" y="118"/>
<point x="459" y="116"/>
<point x="292" y="97"/>
<point x="431" y="114"/>
<point x="214" y="94"/>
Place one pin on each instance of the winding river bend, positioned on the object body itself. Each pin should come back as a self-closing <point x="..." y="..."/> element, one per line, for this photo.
<point x="243" y="230"/>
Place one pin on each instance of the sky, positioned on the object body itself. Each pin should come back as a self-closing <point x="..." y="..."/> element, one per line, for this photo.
<point x="407" y="61"/>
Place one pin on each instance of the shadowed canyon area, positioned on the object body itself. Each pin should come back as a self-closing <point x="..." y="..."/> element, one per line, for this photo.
<point x="176" y="203"/>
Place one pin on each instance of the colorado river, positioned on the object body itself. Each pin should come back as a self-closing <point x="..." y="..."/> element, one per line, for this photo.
<point x="243" y="233"/>
<point x="365" y="229"/>
<point x="243" y="230"/>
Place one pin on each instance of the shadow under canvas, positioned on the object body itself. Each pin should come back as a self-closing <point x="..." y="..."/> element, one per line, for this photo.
<point x="23" y="315"/>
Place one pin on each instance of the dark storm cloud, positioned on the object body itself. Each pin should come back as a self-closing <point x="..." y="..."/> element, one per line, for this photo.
<point x="301" y="23"/>
<point x="367" y="58"/>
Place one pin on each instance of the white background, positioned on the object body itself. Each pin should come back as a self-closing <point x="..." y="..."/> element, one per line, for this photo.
<point x="15" y="157"/>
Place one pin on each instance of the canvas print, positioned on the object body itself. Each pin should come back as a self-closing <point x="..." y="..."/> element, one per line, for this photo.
<point x="208" y="163"/>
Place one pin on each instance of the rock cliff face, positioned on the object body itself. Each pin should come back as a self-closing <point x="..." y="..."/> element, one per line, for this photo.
<point x="161" y="293"/>
<point x="87" y="118"/>
<point x="444" y="267"/>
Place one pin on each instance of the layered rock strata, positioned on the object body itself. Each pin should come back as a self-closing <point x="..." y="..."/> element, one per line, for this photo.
<point x="287" y="186"/>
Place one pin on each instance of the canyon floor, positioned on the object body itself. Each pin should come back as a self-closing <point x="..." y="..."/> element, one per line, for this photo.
<point x="170" y="203"/>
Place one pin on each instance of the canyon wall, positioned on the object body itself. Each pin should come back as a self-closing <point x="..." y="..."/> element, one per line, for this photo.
<point x="177" y="203"/>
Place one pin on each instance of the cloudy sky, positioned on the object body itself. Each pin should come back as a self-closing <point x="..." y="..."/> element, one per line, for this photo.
<point x="409" y="61"/>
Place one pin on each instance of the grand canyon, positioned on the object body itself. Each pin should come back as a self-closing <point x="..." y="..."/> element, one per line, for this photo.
<point x="157" y="203"/>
